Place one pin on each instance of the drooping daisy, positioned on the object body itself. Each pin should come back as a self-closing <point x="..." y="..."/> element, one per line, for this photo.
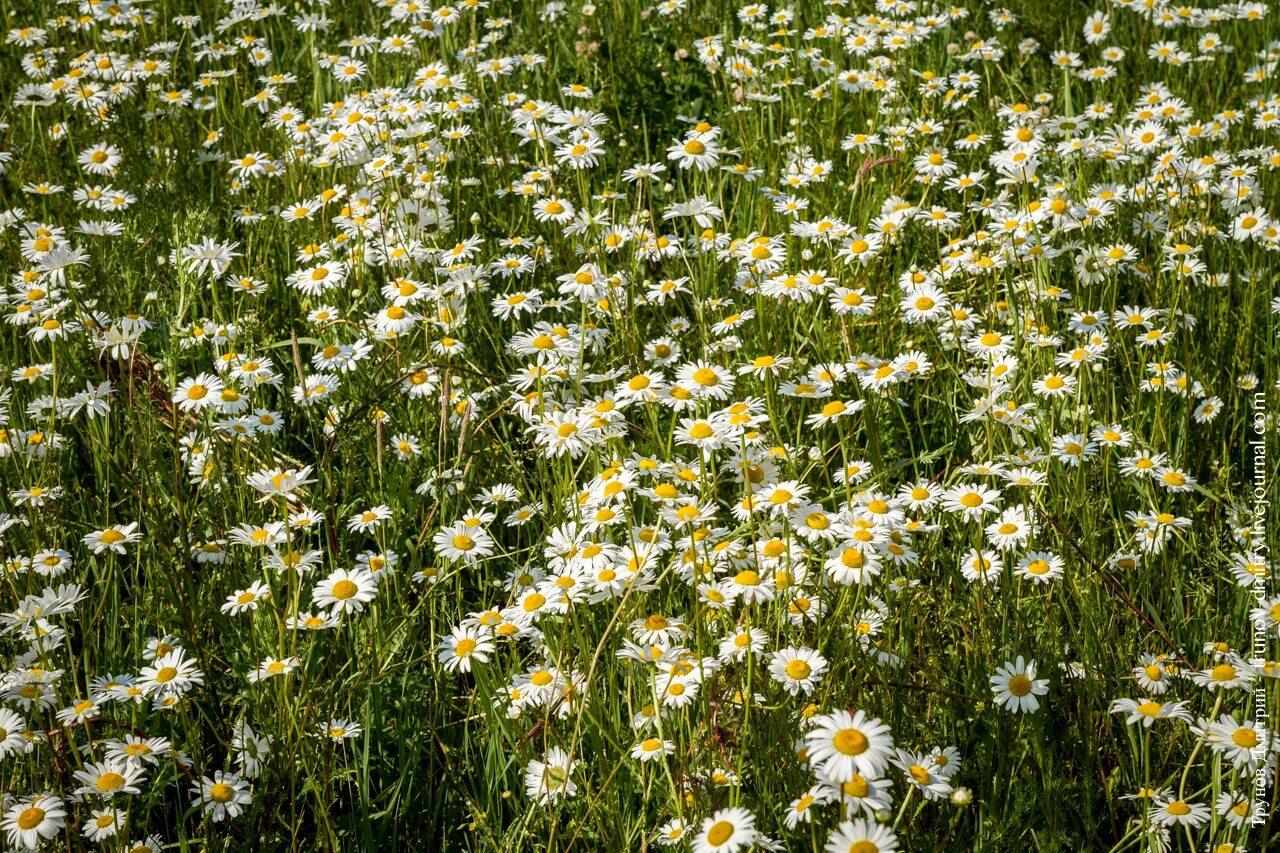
<point x="1244" y="744"/>
<point x="1167" y="811"/>
<point x="104" y="823"/>
<point x="923" y="774"/>
<point x="549" y="780"/>
<point x="1147" y="711"/>
<point x="273" y="667"/>
<point x="1230" y="673"/>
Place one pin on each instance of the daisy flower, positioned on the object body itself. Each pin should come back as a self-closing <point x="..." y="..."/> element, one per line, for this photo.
<point x="549" y="780"/>
<point x="30" y="821"/>
<point x="726" y="831"/>
<point x="798" y="670"/>
<point x="700" y="150"/>
<point x="1167" y="811"/>
<point x="345" y="591"/>
<point x="844" y="744"/>
<point x="196" y="393"/>
<point x="861" y="836"/>
<point x="339" y="731"/>
<point x="369" y="520"/>
<point x="1015" y="686"/>
<point x="1040" y="567"/>
<point x="651" y="749"/>
<point x="465" y="645"/>
<point x="971" y="501"/>
<point x="222" y="796"/>
<point x="112" y="538"/>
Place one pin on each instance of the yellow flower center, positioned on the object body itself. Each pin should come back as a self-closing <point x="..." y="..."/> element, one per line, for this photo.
<point x="722" y="830"/>
<point x="852" y="558"/>
<point x="108" y="782"/>
<point x="799" y="670"/>
<point x="1245" y="737"/>
<point x="858" y="786"/>
<point x="851" y="742"/>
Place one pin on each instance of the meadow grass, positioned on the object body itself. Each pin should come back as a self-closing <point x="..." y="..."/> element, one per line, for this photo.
<point x="544" y="426"/>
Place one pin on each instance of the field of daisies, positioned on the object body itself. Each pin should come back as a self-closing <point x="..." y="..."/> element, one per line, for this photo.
<point x="845" y="426"/>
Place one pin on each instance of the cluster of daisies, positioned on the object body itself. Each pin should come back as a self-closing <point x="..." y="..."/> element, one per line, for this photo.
<point x="679" y="462"/>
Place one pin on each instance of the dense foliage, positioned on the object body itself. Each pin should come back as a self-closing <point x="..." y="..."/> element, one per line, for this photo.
<point x="543" y="426"/>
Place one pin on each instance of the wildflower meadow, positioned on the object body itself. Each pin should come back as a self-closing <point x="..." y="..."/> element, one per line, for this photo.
<point x="844" y="426"/>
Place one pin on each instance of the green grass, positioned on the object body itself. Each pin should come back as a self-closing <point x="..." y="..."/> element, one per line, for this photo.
<point x="439" y="762"/>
